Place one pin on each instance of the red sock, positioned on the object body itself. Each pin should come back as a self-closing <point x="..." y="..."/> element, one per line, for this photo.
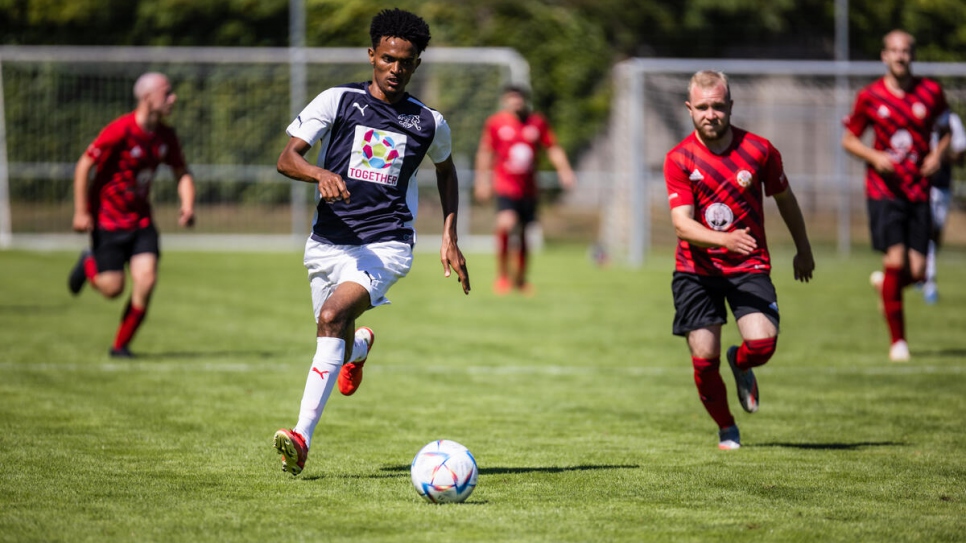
<point x="90" y="268"/>
<point x="892" y="303"/>
<point x="502" y="252"/>
<point x="755" y="352"/>
<point x="130" y="322"/>
<point x="522" y="260"/>
<point x="711" y="390"/>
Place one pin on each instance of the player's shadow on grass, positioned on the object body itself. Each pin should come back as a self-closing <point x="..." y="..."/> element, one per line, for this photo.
<point x="830" y="446"/>
<point x="404" y="469"/>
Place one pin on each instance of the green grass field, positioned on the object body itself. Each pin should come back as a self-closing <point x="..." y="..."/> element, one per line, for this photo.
<point x="578" y="404"/>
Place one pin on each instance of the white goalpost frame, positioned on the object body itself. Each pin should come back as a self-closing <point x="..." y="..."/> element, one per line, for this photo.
<point x="297" y="57"/>
<point x="633" y="178"/>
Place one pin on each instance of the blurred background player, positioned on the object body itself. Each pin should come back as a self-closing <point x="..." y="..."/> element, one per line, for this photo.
<point x="939" y="199"/>
<point x="114" y="205"/>
<point x="506" y="162"/>
<point x="716" y="179"/>
<point x="363" y="236"/>
<point x="902" y="110"/>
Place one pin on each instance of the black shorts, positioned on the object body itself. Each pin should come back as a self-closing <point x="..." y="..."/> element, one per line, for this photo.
<point x="894" y="222"/>
<point x="114" y="249"/>
<point x="699" y="300"/>
<point x="525" y="208"/>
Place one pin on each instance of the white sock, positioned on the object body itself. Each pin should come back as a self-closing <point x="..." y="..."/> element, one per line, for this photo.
<point x="360" y="350"/>
<point x="931" y="263"/>
<point x="329" y="352"/>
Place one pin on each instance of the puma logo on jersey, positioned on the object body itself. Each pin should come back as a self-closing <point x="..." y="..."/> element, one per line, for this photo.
<point x="362" y="109"/>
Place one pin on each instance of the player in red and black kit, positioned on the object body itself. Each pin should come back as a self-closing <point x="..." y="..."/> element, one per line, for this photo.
<point x="902" y="111"/>
<point x="508" y="154"/>
<point x="717" y="178"/>
<point x="113" y="204"/>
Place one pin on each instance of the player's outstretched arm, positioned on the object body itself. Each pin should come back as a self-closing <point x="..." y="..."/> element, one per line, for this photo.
<point x="292" y="164"/>
<point x="483" y="170"/>
<point x="737" y="241"/>
<point x="879" y="160"/>
<point x="558" y="157"/>
<point x="186" y="193"/>
<point x="83" y="221"/>
<point x="449" y="251"/>
<point x="803" y="263"/>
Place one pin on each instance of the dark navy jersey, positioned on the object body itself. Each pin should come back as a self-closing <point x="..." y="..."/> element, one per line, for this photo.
<point x="377" y="148"/>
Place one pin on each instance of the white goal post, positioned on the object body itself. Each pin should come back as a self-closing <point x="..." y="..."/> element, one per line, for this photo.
<point x="234" y="104"/>
<point x="798" y="105"/>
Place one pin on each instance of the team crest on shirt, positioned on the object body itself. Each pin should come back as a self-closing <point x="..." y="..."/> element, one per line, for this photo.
<point x="719" y="216"/>
<point x="410" y="121"/>
<point x="883" y="112"/>
<point x="377" y="156"/>
<point x="919" y="110"/>
<point x="744" y="179"/>
<point x="900" y="146"/>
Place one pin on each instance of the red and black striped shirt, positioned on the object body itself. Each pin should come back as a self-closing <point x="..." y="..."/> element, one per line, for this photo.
<point x="902" y="126"/>
<point x="125" y="158"/>
<point x="727" y="192"/>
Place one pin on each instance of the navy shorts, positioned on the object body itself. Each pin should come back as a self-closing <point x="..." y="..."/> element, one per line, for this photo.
<point x="114" y="249"/>
<point x="699" y="300"/>
<point x="894" y="222"/>
<point x="525" y="208"/>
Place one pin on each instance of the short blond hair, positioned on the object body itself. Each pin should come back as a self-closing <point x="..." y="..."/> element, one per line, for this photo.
<point x="706" y="79"/>
<point x="147" y="83"/>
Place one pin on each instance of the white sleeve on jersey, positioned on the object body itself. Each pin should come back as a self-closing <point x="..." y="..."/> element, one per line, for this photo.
<point x="442" y="145"/>
<point x="316" y="119"/>
<point x="958" y="142"/>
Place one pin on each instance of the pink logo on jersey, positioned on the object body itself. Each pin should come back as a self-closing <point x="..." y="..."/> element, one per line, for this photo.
<point x="379" y="150"/>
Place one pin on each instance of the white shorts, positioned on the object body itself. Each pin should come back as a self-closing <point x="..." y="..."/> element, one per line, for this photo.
<point x="376" y="267"/>
<point x="939" y="202"/>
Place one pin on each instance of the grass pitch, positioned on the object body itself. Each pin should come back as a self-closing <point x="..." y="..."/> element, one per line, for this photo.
<point x="578" y="404"/>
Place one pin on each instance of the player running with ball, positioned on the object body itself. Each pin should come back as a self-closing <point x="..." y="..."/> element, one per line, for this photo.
<point x="716" y="180"/>
<point x="373" y="137"/>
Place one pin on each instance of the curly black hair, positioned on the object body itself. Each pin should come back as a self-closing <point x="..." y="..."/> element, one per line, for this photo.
<point x="397" y="23"/>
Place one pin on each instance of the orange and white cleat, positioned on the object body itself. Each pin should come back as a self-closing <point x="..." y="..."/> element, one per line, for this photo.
<point x="350" y="376"/>
<point x="291" y="445"/>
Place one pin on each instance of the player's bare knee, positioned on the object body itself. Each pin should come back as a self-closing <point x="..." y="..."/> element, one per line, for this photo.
<point x="331" y="322"/>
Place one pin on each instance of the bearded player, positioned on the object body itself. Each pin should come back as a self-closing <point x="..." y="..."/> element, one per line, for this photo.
<point x="716" y="180"/>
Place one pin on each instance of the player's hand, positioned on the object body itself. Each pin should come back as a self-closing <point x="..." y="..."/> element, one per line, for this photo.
<point x="83" y="222"/>
<point x="930" y="164"/>
<point x="882" y="163"/>
<point x="186" y="218"/>
<point x="332" y="187"/>
<point x="453" y="260"/>
<point x="804" y="265"/>
<point x="482" y="192"/>
<point x="740" y="241"/>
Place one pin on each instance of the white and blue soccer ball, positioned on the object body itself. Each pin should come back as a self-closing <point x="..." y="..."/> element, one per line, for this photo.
<point x="444" y="472"/>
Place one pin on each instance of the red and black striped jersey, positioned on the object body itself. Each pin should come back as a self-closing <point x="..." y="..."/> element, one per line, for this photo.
<point x="125" y="159"/>
<point x="726" y="191"/>
<point x="902" y="126"/>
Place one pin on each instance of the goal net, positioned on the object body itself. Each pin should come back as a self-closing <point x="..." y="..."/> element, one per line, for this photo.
<point x="798" y="105"/>
<point x="233" y="107"/>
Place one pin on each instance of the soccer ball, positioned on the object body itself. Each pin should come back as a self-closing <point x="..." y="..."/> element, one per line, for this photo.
<point x="444" y="472"/>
